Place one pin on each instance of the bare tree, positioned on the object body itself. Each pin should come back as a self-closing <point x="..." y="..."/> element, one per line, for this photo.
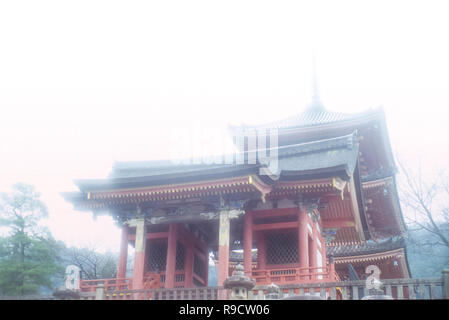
<point x="427" y="201"/>
<point x="92" y="264"/>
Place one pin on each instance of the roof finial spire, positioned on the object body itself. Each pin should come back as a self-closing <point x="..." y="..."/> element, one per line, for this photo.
<point x="316" y="100"/>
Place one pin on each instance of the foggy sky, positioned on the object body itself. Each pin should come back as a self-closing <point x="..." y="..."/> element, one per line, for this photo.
<point x="86" y="83"/>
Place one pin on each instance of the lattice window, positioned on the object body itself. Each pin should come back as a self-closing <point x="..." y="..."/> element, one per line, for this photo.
<point x="282" y="248"/>
<point x="180" y="256"/>
<point x="157" y="255"/>
<point x="199" y="267"/>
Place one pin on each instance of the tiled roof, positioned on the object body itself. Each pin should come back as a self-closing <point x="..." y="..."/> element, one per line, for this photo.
<point x="368" y="247"/>
<point x="314" y="157"/>
<point x="326" y="153"/>
<point x="158" y="167"/>
<point x="314" y="117"/>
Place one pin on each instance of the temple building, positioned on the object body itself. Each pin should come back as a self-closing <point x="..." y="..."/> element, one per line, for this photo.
<point x="327" y="211"/>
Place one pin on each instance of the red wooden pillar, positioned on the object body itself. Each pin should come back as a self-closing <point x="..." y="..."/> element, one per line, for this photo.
<point x="248" y="243"/>
<point x="313" y="253"/>
<point x="223" y="247"/>
<point x="121" y="266"/>
<point x="139" y="257"/>
<point x="261" y="251"/>
<point x="171" y="256"/>
<point x="303" y="239"/>
<point x="189" y="265"/>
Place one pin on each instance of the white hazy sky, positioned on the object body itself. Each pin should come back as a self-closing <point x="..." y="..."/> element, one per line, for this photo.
<point x="85" y="83"/>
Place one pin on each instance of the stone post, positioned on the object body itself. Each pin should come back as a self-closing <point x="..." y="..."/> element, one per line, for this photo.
<point x="273" y="292"/>
<point x="99" y="292"/>
<point x="445" y="274"/>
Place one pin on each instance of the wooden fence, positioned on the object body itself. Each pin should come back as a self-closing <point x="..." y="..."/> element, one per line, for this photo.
<point x="435" y="288"/>
<point x="355" y="290"/>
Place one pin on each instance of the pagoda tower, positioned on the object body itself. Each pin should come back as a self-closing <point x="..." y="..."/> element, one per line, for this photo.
<point x="323" y="213"/>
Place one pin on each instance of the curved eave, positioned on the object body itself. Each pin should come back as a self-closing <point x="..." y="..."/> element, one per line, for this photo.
<point x="288" y="125"/>
<point x="317" y="186"/>
<point x="361" y="203"/>
<point x="377" y="116"/>
<point x="89" y="185"/>
<point x="367" y="259"/>
<point x="351" y="123"/>
<point x="341" y="171"/>
<point x="73" y="196"/>
<point x="397" y="205"/>
<point x="386" y="140"/>
<point x="370" y="257"/>
<point x="235" y="187"/>
<point x="356" y="120"/>
<point x="395" y="208"/>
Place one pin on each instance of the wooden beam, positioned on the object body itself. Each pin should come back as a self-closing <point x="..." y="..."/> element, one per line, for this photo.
<point x="279" y="225"/>
<point x="338" y="223"/>
<point x="154" y="235"/>
<point x="274" y="212"/>
<point x="157" y="235"/>
<point x="203" y="216"/>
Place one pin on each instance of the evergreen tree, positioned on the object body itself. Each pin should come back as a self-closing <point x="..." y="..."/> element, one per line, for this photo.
<point x="28" y="253"/>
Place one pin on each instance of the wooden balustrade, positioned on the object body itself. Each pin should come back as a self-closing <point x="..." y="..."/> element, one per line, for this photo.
<point x="293" y="275"/>
<point x="179" y="278"/>
<point x="356" y="290"/>
<point x="106" y="289"/>
<point x="344" y="290"/>
<point x="199" y="293"/>
<point x="109" y="284"/>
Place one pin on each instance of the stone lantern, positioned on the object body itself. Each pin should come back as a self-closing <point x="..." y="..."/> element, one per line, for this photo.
<point x="239" y="284"/>
<point x="273" y="292"/>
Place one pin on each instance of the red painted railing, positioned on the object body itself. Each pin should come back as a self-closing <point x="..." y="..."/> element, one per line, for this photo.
<point x="109" y="284"/>
<point x="345" y="290"/>
<point x="294" y="275"/>
<point x="179" y="278"/>
<point x="116" y="284"/>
